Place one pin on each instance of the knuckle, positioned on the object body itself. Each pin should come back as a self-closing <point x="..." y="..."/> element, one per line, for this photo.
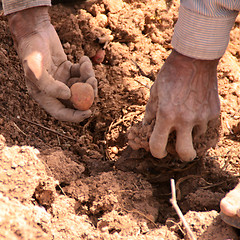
<point x="167" y="113"/>
<point x="188" y="118"/>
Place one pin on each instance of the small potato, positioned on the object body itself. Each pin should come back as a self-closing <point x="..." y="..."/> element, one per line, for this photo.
<point x="82" y="96"/>
<point x="99" y="56"/>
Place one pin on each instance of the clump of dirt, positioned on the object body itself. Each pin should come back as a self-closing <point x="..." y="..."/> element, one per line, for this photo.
<point x="139" y="134"/>
<point x="64" y="180"/>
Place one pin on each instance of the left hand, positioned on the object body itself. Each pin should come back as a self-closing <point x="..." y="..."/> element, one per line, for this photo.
<point x="48" y="72"/>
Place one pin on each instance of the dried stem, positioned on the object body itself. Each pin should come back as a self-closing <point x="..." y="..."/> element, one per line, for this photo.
<point x="45" y="128"/>
<point x="173" y="201"/>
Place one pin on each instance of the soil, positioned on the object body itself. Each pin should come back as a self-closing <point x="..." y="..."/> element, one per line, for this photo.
<point x="61" y="180"/>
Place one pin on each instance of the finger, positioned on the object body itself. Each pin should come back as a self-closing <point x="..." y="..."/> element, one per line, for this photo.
<point x="214" y="103"/>
<point x="93" y="82"/>
<point x="152" y="106"/>
<point x="84" y="59"/>
<point x="56" y="109"/>
<point x="63" y="72"/>
<point x="75" y="70"/>
<point x="70" y="115"/>
<point x="184" y="145"/>
<point x="227" y="207"/>
<point x="86" y="71"/>
<point x="35" y="73"/>
<point x="159" y="138"/>
<point x="200" y="129"/>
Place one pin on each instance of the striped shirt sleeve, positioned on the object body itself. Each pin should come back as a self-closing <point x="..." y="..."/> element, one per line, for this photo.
<point x="11" y="6"/>
<point x="203" y="27"/>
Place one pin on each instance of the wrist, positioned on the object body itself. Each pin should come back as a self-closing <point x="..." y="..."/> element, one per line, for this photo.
<point x="181" y="57"/>
<point x="28" y="21"/>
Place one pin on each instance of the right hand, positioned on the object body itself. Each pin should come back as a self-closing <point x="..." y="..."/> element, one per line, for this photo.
<point x="48" y="72"/>
<point x="184" y="97"/>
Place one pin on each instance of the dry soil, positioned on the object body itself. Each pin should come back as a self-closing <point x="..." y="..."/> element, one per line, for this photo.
<point x="62" y="180"/>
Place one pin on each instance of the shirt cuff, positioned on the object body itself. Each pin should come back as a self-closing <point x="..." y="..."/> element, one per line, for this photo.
<point x="11" y="6"/>
<point x="200" y="36"/>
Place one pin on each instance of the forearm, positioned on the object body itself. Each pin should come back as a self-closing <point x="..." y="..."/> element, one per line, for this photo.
<point x="11" y="6"/>
<point x="203" y="28"/>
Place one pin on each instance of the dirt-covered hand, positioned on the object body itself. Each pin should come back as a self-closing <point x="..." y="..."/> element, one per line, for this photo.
<point x="184" y="97"/>
<point x="48" y="72"/>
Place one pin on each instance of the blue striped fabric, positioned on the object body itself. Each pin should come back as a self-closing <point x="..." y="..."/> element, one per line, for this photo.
<point x="203" y="27"/>
<point x="11" y="6"/>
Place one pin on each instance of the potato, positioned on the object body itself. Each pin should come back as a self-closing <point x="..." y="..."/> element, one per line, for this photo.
<point x="82" y="95"/>
<point x="99" y="56"/>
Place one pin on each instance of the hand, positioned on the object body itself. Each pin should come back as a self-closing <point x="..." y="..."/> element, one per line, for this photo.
<point x="230" y="207"/>
<point x="48" y="72"/>
<point x="184" y="97"/>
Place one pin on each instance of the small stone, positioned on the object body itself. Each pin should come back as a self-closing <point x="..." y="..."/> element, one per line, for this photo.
<point x="102" y="20"/>
<point x="14" y="165"/>
<point x="114" y="150"/>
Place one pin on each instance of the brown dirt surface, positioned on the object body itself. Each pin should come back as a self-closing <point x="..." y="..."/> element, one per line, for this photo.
<point x="62" y="180"/>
